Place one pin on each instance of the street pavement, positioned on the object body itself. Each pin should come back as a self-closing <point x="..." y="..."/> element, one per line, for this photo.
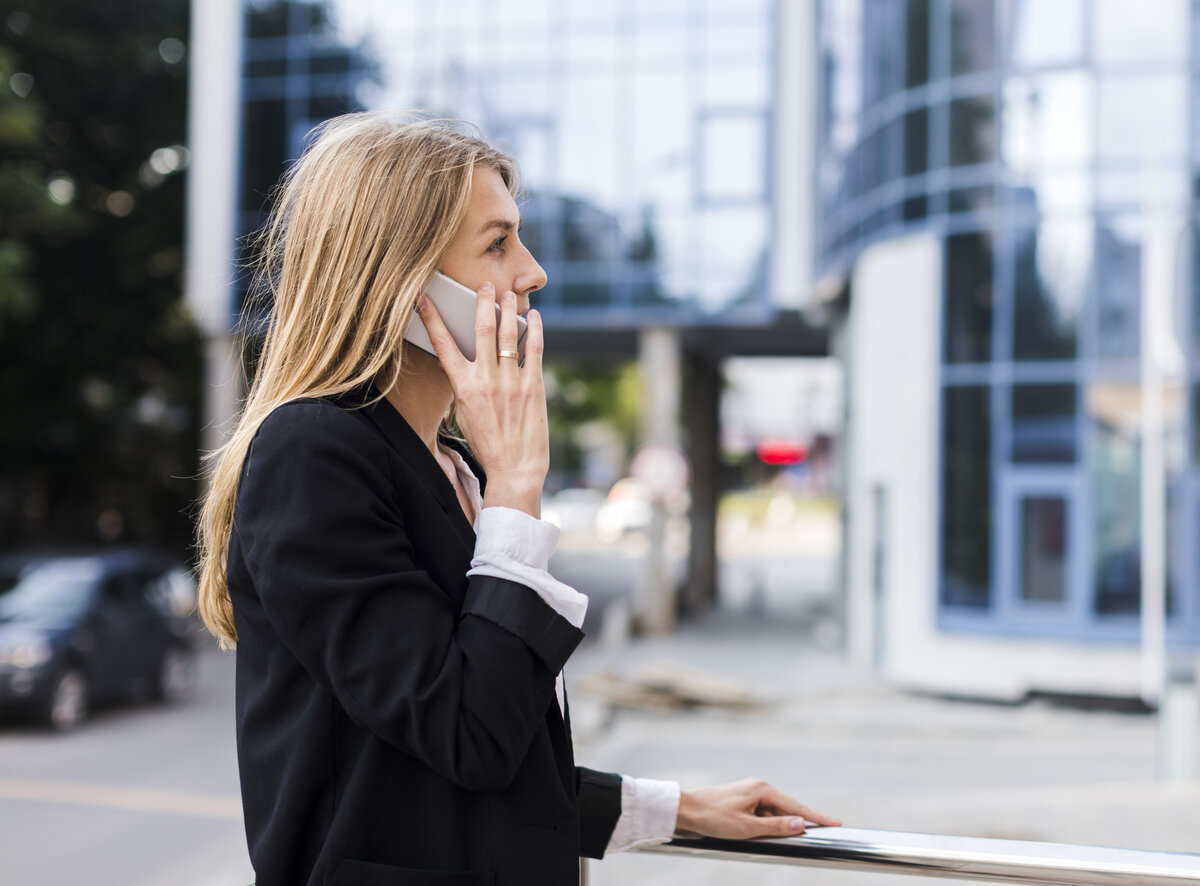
<point x="844" y="743"/>
<point x="141" y="795"/>
<point x="147" y="795"/>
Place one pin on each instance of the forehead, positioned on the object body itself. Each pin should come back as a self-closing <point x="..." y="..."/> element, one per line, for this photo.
<point x="490" y="198"/>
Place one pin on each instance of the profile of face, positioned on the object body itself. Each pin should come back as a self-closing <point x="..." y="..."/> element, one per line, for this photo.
<point x="487" y="246"/>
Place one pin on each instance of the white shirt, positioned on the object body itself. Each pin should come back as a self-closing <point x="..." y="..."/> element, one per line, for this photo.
<point x="513" y="545"/>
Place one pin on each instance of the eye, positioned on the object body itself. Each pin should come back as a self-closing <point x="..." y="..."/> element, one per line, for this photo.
<point x="498" y="246"/>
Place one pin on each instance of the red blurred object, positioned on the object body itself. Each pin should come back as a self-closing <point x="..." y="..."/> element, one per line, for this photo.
<point x="781" y="452"/>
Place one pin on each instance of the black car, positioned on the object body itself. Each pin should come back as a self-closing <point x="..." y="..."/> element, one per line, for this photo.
<point x="81" y="628"/>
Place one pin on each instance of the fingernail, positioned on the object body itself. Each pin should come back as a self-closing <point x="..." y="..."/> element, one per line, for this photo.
<point x="421" y="305"/>
<point x="510" y="296"/>
<point x="488" y="285"/>
<point x="796" y="824"/>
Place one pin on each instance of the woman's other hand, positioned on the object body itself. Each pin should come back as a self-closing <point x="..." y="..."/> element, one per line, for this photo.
<point x="744" y="809"/>
<point x="500" y="405"/>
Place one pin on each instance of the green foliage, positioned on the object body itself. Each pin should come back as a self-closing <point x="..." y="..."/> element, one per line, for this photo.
<point x="579" y="394"/>
<point x="102" y="365"/>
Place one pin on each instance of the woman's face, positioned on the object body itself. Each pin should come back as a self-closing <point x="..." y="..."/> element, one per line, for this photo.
<point x="487" y="246"/>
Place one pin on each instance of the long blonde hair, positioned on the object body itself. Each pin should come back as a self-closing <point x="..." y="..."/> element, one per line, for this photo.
<point x="360" y="221"/>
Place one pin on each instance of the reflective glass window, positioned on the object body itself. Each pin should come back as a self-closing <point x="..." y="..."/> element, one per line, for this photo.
<point x="968" y="298"/>
<point x="915" y="208"/>
<point x="1131" y="32"/>
<point x="1050" y="278"/>
<point x="590" y="42"/>
<point x="1118" y="288"/>
<point x="916" y="141"/>
<point x="892" y="146"/>
<point x="662" y="46"/>
<point x="663" y="146"/>
<point x="966" y="496"/>
<point x="267" y="21"/>
<point x="970" y="199"/>
<point x="972" y="130"/>
<point x="264" y="150"/>
<point x="872" y="162"/>
<point x="1046" y="33"/>
<point x="1114" y="413"/>
<point x="1047" y="120"/>
<point x="1132" y="185"/>
<point x="734" y="149"/>
<point x="1043" y="541"/>
<point x="731" y="248"/>
<point x="734" y="84"/>
<point x="1195" y="295"/>
<point x="739" y="39"/>
<point x="588" y="121"/>
<point x="916" y="70"/>
<point x="972" y="36"/>
<point x="1048" y="192"/>
<point x="1195" y="416"/>
<point x="1043" y="424"/>
<point x="1142" y="116"/>
<point x="882" y="49"/>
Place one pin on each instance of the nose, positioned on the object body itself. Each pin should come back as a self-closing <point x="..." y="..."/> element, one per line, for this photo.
<point x="531" y="277"/>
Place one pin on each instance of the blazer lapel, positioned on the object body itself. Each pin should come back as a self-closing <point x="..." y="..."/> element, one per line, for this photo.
<point x="404" y="440"/>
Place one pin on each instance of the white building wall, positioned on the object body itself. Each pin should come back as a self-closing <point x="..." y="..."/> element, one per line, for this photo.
<point x="892" y="427"/>
<point x="893" y="353"/>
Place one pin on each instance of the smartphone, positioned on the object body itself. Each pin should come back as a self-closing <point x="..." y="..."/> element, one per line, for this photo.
<point x="456" y="305"/>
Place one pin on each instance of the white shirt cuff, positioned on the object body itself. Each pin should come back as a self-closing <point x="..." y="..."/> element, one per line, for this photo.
<point x="649" y="809"/>
<point x="513" y="545"/>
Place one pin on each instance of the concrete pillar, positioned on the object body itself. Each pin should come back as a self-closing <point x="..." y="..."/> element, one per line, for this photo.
<point x="793" y="153"/>
<point x="701" y="408"/>
<point x="659" y="359"/>
<point x="214" y="105"/>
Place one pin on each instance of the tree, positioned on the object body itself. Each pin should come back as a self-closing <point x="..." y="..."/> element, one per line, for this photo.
<point x="102" y="363"/>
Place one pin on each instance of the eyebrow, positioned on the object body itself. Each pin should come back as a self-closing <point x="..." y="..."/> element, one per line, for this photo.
<point x="503" y="224"/>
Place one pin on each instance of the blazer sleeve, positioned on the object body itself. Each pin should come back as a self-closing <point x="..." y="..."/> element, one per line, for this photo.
<point x="326" y="547"/>
<point x="599" y="795"/>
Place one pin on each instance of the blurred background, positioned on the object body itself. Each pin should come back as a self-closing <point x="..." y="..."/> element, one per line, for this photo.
<point x="873" y="351"/>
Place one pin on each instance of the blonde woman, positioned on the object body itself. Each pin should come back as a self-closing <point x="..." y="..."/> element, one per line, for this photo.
<point x="400" y="715"/>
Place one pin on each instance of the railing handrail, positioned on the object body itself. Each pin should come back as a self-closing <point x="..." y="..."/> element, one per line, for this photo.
<point x="962" y="858"/>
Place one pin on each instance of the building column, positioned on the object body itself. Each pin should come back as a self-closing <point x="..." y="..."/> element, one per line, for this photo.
<point x="701" y="408"/>
<point x="659" y="359"/>
<point x="214" y="102"/>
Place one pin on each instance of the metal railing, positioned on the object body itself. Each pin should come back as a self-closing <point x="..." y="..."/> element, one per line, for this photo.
<point x="962" y="858"/>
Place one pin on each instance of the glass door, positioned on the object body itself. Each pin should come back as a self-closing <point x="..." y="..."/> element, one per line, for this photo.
<point x="1041" y="549"/>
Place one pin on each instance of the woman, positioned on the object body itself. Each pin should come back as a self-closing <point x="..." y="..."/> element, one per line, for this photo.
<point x="400" y="716"/>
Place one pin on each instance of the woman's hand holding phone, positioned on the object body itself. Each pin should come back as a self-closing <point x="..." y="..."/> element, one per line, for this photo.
<point x="501" y="404"/>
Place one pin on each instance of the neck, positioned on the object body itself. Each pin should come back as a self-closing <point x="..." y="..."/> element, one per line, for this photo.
<point x="421" y="393"/>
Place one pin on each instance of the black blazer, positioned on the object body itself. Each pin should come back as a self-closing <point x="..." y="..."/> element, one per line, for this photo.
<point x="396" y="721"/>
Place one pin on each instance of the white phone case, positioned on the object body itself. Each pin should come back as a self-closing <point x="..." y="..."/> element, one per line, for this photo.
<point x="456" y="305"/>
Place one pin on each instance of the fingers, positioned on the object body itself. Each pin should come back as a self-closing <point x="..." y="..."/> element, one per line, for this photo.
<point x="778" y="826"/>
<point x="534" y="343"/>
<point x="485" y="325"/>
<point x="443" y="343"/>
<point x="508" y="326"/>
<point x="782" y="804"/>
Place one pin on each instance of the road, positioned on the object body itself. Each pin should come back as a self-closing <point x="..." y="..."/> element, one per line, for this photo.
<point x="142" y="795"/>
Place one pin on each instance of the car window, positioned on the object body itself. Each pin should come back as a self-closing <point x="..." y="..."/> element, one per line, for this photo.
<point x="49" y="592"/>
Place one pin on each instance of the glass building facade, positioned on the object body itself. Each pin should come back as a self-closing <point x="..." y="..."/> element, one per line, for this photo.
<point x="1046" y="144"/>
<point x="642" y="129"/>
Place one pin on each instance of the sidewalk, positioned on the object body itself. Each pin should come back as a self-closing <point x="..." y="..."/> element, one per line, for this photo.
<point x="845" y="743"/>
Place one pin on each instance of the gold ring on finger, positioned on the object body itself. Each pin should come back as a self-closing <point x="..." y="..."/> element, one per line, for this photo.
<point x="507" y="353"/>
